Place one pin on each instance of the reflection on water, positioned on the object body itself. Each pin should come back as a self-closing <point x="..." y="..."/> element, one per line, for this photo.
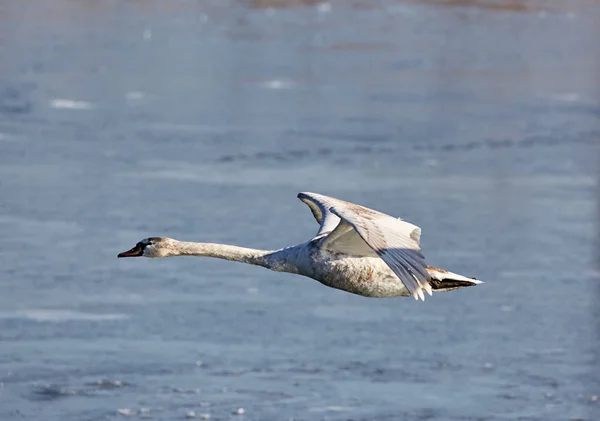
<point x="477" y="121"/>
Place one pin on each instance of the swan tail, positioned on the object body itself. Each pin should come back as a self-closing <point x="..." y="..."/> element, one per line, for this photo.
<point x="442" y="280"/>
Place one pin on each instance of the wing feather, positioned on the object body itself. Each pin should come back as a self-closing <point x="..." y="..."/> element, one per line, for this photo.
<point x="391" y="239"/>
<point x="395" y="241"/>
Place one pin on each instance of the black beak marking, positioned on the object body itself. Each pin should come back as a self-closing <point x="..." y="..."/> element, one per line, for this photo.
<point x="136" y="251"/>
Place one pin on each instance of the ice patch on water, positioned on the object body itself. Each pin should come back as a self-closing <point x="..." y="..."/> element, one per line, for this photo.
<point x="331" y="408"/>
<point x="107" y="384"/>
<point x="324" y="7"/>
<point x="61" y="315"/>
<point x="126" y="412"/>
<point x="134" y="96"/>
<point x="69" y="104"/>
<point x="567" y="97"/>
<point x="337" y="408"/>
<point x="278" y="84"/>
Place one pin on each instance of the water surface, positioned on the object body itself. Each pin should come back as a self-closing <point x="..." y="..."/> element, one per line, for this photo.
<point x="120" y="120"/>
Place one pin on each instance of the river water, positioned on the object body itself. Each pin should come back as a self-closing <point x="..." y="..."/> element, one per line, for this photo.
<point x="202" y="120"/>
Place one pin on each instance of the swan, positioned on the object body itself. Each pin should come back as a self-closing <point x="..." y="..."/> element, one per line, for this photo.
<point x="356" y="249"/>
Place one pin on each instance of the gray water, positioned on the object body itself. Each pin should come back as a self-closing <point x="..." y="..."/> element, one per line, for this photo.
<point x="119" y="120"/>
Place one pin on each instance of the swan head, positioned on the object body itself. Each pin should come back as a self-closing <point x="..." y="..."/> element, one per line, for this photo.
<point x="150" y="247"/>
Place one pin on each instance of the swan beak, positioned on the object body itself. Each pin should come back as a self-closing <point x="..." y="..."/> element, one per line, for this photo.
<point x="134" y="252"/>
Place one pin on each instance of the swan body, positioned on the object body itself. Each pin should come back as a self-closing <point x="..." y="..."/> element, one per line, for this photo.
<point x="357" y="249"/>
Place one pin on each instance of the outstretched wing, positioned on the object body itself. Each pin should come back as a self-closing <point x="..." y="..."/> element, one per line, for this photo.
<point x="395" y="241"/>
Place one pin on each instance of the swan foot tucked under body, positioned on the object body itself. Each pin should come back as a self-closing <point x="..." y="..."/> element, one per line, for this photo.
<point x="357" y="249"/>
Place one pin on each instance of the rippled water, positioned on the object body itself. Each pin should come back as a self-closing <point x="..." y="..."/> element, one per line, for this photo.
<point x="119" y="120"/>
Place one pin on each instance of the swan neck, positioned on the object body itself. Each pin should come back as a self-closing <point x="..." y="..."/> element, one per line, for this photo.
<point x="222" y="251"/>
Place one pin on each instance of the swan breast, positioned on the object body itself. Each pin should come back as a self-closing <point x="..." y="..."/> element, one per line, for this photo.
<point x="366" y="276"/>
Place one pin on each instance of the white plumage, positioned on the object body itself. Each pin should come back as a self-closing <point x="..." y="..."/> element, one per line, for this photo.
<point x="356" y="249"/>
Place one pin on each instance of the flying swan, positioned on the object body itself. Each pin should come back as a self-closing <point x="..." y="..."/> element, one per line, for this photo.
<point x="357" y="249"/>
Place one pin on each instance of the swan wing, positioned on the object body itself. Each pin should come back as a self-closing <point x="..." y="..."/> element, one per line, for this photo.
<point x="321" y="212"/>
<point x="369" y="232"/>
<point x="395" y="241"/>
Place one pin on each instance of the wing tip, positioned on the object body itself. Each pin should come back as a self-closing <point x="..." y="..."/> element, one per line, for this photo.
<point x="306" y="195"/>
<point x="418" y="294"/>
<point x="428" y="289"/>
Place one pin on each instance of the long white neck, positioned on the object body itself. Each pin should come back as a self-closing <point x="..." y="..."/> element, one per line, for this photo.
<point x="219" y="251"/>
<point x="295" y="259"/>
